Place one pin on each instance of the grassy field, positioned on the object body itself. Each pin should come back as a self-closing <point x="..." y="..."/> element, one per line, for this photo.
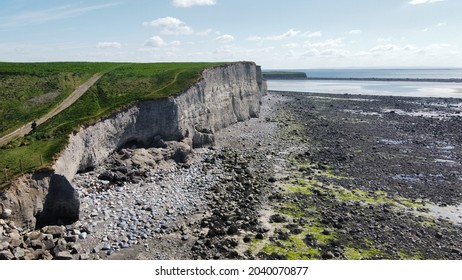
<point x="29" y="90"/>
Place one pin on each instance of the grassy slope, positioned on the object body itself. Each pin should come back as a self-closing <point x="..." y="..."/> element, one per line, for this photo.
<point x="29" y="90"/>
<point x="122" y="85"/>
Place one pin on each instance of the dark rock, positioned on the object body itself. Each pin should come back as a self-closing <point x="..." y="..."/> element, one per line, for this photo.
<point x="310" y="241"/>
<point x="181" y="152"/>
<point x="327" y="255"/>
<point x="272" y="179"/>
<point x="6" y="255"/>
<point x="276" y="218"/>
<point x="37" y="244"/>
<point x="56" y="231"/>
<point x="58" y="249"/>
<point x="64" y="255"/>
<point x="439" y="235"/>
<point x="75" y="248"/>
<point x="158" y="142"/>
<point x="83" y="235"/>
<point x="71" y="238"/>
<point x="48" y="244"/>
<point x="62" y="204"/>
<point x="232" y="230"/>
<point x="5" y="213"/>
<point x="247" y="239"/>
<point x="259" y="236"/>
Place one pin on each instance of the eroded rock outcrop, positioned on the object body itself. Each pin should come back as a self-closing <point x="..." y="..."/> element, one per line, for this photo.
<point x="224" y="95"/>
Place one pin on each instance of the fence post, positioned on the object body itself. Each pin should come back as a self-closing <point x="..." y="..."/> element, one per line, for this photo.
<point x="41" y="160"/>
<point x="20" y="165"/>
<point x="6" y="175"/>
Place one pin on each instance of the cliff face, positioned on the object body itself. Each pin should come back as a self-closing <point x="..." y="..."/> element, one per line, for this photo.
<point x="224" y="95"/>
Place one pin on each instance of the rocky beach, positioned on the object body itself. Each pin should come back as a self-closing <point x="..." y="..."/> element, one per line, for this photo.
<point x="316" y="176"/>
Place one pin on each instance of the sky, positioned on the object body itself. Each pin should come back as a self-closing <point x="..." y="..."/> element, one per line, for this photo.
<point x="289" y="34"/>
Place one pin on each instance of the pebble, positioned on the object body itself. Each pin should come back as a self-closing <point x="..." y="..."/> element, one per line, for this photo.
<point x="83" y="235"/>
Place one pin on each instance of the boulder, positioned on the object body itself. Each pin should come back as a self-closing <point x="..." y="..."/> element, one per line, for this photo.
<point x="5" y="213"/>
<point x="19" y="253"/>
<point x="4" y="246"/>
<point x="64" y="255"/>
<point x="75" y="248"/>
<point x="62" y="204"/>
<point x="181" y="152"/>
<point x="56" y="231"/>
<point x="6" y="255"/>
<point x="158" y="142"/>
<point x="48" y="244"/>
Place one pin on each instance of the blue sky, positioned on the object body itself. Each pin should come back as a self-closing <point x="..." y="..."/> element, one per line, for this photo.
<point x="276" y="34"/>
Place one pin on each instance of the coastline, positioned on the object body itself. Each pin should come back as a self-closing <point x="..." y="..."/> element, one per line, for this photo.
<point x="369" y="79"/>
<point x="317" y="176"/>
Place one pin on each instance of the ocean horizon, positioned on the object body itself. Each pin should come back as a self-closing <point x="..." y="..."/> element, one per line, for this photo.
<point x="392" y="88"/>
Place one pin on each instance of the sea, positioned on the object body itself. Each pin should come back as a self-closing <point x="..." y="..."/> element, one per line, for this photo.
<point x="388" y="88"/>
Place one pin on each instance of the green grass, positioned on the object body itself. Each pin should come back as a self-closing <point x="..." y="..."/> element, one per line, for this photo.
<point x="29" y="90"/>
<point x="122" y="85"/>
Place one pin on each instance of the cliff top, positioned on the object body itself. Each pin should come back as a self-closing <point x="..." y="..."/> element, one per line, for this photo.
<point x="28" y="91"/>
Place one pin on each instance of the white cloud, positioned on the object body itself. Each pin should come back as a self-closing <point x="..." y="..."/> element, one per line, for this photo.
<point x="331" y="43"/>
<point x="329" y="49"/>
<point x="292" y="45"/>
<point x="158" y="42"/>
<point x="381" y="39"/>
<point x="224" y="39"/>
<point x="388" y="48"/>
<point x="313" y="34"/>
<point x="425" y="30"/>
<point x="155" y="41"/>
<point x="354" y="32"/>
<point x="419" y="2"/>
<point x="205" y="32"/>
<point x="52" y="14"/>
<point x="289" y="34"/>
<point x="442" y="24"/>
<point x="170" y="26"/>
<point x="109" y="45"/>
<point x="190" y="3"/>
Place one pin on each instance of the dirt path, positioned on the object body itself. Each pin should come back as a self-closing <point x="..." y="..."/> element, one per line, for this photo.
<point x="73" y="97"/>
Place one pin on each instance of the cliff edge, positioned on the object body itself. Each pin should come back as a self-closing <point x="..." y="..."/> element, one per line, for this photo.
<point x="222" y="96"/>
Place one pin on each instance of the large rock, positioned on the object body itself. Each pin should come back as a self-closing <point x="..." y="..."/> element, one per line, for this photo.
<point x="19" y="253"/>
<point x="5" y="213"/>
<point x="56" y="231"/>
<point x="62" y="205"/>
<point x="181" y="152"/>
<point x="65" y="255"/>
<point x="6" y="255"/>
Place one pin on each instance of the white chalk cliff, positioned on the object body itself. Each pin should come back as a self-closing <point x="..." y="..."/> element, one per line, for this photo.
<point x="222" y="96"/>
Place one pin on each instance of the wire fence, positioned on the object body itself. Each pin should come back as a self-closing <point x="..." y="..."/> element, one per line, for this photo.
<point x="10" y="170"/>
